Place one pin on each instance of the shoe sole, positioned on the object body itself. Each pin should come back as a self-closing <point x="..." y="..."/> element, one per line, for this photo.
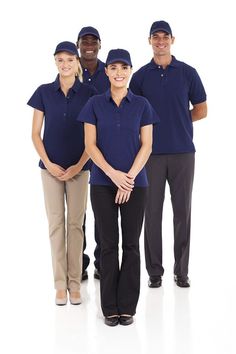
<point x="182" y="286"/>
<point x="61" y="304"/>
<point x="154" y="286"/>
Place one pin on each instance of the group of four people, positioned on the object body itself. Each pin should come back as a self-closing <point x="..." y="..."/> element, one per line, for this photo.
<point x="133" y="154"/>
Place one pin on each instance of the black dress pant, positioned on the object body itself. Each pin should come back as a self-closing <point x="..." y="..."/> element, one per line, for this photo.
<point x="178" y="171"/>
<point x="120" y="281"/>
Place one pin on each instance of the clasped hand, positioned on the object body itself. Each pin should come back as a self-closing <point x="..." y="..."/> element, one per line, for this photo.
<point x="122" y="196"/>
<point x="124" y="181"/>
<point x="62" y="174"/>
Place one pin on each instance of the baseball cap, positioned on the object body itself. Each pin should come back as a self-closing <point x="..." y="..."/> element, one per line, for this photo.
<point x="89" y="30"/>
<point x="160" y="26"/>
<point x="66" y="47"/>
<point x="118" y="55"/>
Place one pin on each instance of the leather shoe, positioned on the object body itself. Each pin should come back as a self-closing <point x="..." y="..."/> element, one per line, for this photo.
<point x="84" y="275"/>
<point x="112" y="321"/>
<point x="61" y="298"/>
<point x="155" y="281"/>
<point x="96" y="274"/>
<point x="126" y="320"/>
<point x="75" y="298"/>
<point x="182" y="282"/>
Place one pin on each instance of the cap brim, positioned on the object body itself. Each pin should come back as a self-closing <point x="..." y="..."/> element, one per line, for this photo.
<point x="160" y="30"/>
<point x="66" y="50"/>
<point x="118" y="60"/>
<point x="89" y="33"/>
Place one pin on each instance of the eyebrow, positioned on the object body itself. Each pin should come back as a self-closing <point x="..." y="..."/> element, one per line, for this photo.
<point x="115" y="64"/>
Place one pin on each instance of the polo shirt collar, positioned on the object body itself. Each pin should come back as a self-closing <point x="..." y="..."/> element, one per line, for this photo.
<point x="174" y="63"/>
<point x="75" y="87"/>
<point x="100" y="66"/>
<point x="128" y="97"/>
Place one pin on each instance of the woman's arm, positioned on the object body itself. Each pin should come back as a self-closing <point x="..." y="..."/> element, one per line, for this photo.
<point x="122" y="180"/>
<point x="73" y="170"/>
<point x="38" y="118"/>
<point x="139" y="162"/>
<point x="144" y="151"/>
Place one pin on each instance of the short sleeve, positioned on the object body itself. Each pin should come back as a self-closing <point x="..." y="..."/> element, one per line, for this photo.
<point x="135" y="86"/>
<point x="36" y="100"/>
<point x="197" y="92"/>
<point x="87" y="114"/>
<point x="149" y="115"/>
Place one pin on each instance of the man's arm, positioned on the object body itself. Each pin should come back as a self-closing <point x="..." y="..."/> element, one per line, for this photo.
<point x="199" y="111"/>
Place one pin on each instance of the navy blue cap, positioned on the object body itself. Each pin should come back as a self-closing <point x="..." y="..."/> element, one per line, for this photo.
<point x="66" y="47"/>
<point x="89" y="30"/>
<point x="118" y="55"/>
<point x="162" y="26"/>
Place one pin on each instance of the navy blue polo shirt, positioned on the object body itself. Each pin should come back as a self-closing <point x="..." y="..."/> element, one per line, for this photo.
<point x="170" y="91"/>
<point x="118" y="130"/>
<point x="99" y="79"/>
<point x="63" y="136"/>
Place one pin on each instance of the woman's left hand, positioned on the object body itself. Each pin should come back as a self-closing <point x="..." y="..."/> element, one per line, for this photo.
<point x="122" y="196"/>
<point x="70" y="172"/>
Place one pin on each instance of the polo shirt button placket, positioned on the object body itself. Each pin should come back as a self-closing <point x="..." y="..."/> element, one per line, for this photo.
<point x="118" y="120"/>
<point x="67" y="102"/>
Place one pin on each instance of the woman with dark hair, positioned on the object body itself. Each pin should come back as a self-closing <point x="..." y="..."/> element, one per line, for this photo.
<point x="118" y="138"/>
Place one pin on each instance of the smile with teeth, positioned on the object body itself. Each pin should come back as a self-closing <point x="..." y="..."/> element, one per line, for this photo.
<point x="89" y="51"/>
<point x="119" y="78"/>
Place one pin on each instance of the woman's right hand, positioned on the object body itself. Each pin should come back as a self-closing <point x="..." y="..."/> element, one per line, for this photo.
<point x="124" y="181"/>
<point x="122" y="196"/>
<point x="55" y="170"/>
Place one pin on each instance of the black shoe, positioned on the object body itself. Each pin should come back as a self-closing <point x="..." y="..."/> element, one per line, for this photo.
<point x="84" y="275"/>
<point x="111" y="321"/>
<point x="126" y="320"/>
<point x="155" y="281"/>
<point x="96" y="274"/>
<point x="182" y="282"/>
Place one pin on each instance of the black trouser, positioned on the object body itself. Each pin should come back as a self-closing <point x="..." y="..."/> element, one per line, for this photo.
<point x="120" y="285"/>
<point x="178" y="171"/>
<point x="97" y="250"/>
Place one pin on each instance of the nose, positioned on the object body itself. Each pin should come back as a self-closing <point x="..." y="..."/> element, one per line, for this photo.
<point x="118" y="71"/>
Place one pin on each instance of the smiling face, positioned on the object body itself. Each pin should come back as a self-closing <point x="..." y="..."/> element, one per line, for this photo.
<point x="161" y="43"/>
<point x="118" y="74"/>
<point x="89" y="46"/>
<point x="67" y="64"/>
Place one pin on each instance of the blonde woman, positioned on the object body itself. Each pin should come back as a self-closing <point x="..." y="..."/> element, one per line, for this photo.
<point x="64" y="167"/>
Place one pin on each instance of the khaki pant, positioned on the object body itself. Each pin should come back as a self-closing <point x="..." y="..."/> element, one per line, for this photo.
<point x="65" y="231"/>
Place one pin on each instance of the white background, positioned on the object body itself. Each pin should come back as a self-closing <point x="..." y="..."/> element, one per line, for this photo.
<point x="169" y="320"/>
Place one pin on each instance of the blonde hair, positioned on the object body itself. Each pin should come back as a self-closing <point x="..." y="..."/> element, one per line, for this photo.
<point x="79" y="73"/>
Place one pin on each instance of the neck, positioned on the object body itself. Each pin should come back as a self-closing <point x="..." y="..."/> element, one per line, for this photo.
<point x="163" y="60"/>
<point x="66" y="83"/>
<point x="90" y="65"/>
<point x="118" y="93"/>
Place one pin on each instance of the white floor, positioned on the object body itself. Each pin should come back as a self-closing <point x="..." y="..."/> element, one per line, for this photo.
<point x="169" y="320"/>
